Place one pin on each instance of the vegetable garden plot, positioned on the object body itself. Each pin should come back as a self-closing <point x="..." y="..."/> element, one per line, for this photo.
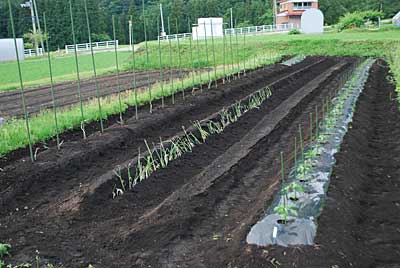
<point x="118" y="235"/>
<point x="291" y="218"/>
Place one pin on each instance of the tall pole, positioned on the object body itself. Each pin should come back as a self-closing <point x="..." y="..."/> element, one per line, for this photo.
<point x="275" y="11"/>
<point x="231" y="18"/>
<point x="21" y="84"/>
<point x="147" y="58"/>
<point x="34" y="26"/>
<point x="162" y="21"/>
<point x="38" y="22"/>
<point x="130" y="35"/>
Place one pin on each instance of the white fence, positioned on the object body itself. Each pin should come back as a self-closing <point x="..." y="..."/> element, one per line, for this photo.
<point x="95" y="45"/>
<point x="245" y="30"/>
<point x="32" y="52"/>
<point x="261" y="29"/>
<point x="175" y="36"/>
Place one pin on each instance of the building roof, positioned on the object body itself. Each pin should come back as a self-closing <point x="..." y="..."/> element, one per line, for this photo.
<point x="397" y="16"/>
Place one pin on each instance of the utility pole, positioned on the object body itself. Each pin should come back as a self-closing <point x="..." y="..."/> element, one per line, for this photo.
<point x="231" y="18"/>
<point x="130" y="35"/>
<point x="275" y="11"/>
<point x="30" y="5"/>
<point x="162" y="22"/>
<point x="38" y="22"/>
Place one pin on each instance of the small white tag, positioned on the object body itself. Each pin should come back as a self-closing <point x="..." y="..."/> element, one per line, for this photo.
<point x="274" y="232"/>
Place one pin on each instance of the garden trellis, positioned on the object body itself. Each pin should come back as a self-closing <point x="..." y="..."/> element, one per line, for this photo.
<point x="211" y="57"/>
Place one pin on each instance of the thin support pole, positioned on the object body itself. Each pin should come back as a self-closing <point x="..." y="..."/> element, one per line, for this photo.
<point x="134" y="72"/>
<point x="94" y="67"/>
<point x="198" y="57"/>
<point x="147" y="59"/>
<point x="161" y="65"/>
<point x="52" y="84"/>
<point x="283" y="176"/>
<point x="28" y="131"/>
<point x="171" y="79"/>
<point x="179" y="59"/>
<point x="244" y="54"/>
<point x="295" y="156"/>
<point x="232" y="58"/>
<point x="316" y="123"/>
<point x="208" y="62"/>
<point x="311" y="127"/>
<point x="237" y="54"/>
<point x="78" y="77"/>
<point x="223" y="53"/>
<point x="191" y="58"/>
<point x="121" y="120"/>
<point x="213" y="48"/>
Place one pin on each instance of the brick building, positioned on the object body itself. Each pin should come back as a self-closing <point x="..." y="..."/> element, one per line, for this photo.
<point x="290" y="11"/>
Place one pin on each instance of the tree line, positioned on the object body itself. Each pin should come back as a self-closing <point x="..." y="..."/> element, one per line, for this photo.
<point x="182" y="13"/>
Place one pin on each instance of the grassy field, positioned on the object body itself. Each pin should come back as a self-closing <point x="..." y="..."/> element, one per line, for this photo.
<point x="359" y="43"/>
<point x="383" y="43"/>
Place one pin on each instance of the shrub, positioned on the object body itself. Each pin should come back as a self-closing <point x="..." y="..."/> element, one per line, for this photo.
<point x="358" y="19"/>
<point x="294" y="31"/>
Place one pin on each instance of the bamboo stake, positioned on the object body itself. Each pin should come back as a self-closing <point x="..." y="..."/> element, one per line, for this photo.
<point x="213" y="48"/>
<point x="179" y="58"/>
<point x="134" y="72"/>
<point x="51" y="83"/>
<point x="121" y="120"/>
<point x="21" y="84"/>
<point x="94" y="67"/>
<point x="170" y="64"/>
<point x="161" y="66"/>
<point x="77" y="71"/>
<point x="147" y="58"/>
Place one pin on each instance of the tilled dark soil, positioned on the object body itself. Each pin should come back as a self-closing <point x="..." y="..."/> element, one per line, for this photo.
<point x="46" y="205"/>
<point x="66" y="93"/>
<point x="360" y="223"/>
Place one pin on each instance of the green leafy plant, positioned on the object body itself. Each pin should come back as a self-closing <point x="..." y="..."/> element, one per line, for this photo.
<point x="284" y="211"/>
<point x="295" y="188"/>
<point x="4" y="250"/>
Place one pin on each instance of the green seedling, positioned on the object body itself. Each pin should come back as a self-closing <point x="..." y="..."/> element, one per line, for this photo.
<point x="118" y="173"/>
<point x="4" y="250"/>
<point x="284" y="211"/>
<point x="295" y="188"/>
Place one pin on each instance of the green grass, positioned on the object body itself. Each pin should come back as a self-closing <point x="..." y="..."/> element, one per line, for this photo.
<point x="383" y="43"/>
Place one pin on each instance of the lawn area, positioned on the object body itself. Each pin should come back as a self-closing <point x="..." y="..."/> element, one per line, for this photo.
<point x="355" y="42"/>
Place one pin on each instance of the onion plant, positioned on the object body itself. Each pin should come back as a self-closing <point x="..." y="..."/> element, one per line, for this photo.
<point x="162" y="154"/>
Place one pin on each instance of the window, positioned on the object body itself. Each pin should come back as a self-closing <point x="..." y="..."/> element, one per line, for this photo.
<point x="302" y="5"/>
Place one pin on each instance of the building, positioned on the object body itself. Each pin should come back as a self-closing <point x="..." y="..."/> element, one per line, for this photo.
<point x="208" y="27"/>
<point x="7" y="49"/>
<point x="396" y="19"/>
<point x="290" y="11"/>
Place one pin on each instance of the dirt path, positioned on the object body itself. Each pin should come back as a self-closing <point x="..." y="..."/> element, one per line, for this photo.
<point x="74" y="228"/>
<point x="39" y="98"/>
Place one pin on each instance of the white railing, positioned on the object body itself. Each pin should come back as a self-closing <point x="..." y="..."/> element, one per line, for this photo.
<point x="95" y="45"/>
<point x="175" y="36"/>
<point x="245" y="30"/>
<point x="302" y="8"/>
<point x="32" y="52"/>
<point x="261" y="29"/>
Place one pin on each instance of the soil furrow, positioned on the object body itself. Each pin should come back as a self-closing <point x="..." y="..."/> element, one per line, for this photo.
<point x="67" y="228"/>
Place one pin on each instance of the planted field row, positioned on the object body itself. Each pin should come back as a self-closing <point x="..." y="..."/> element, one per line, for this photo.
<point x="205" y="201"/>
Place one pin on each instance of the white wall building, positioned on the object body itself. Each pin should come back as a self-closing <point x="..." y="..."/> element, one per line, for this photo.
<point x="208" y="27"/>
<point x="396" y="19"/>
<point x="312" y="21"/>
<point x="7" y="49"/>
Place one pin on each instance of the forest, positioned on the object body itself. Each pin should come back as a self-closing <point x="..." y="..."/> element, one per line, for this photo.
<point x="181" y="13"/>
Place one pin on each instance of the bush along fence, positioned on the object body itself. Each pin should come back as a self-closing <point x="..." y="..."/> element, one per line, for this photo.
<point x="292" y="217"/>
<point x="18" y="133"/>
<point x="160" y="155"/>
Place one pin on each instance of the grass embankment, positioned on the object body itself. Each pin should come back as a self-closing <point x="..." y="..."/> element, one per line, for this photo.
<point x="383" y="43"/>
